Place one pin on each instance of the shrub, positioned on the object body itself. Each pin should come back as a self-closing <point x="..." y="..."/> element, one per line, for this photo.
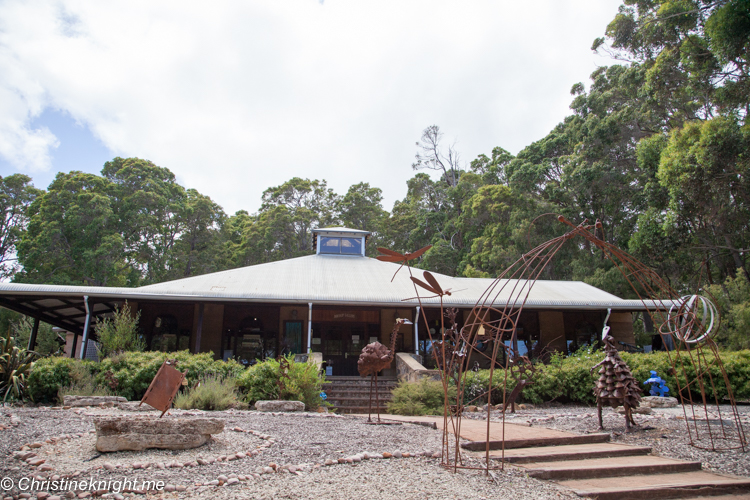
<point x="49" y="375"/>
<point x="419" y="398"/>
<point x="212" y="393"/>
<point x="119" y="333"/>
<point x="261" y="382"/>
<point x="129" y="374"/>
<point x="82" y="382"/>
<point x="15" y="365"/>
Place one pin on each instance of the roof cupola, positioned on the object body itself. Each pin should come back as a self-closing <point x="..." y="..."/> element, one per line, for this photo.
<point x="340" y="241"/>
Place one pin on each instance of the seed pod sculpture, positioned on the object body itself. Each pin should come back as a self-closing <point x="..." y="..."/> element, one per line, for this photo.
<point x="616" y="385"/>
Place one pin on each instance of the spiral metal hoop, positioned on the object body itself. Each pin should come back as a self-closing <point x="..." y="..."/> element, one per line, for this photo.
<point x="691" y="319"/>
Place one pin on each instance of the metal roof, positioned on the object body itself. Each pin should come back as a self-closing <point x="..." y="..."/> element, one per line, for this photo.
<point x="320" y="279"/>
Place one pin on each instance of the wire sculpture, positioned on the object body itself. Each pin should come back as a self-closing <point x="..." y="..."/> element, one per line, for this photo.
<point x="493" y="319"/>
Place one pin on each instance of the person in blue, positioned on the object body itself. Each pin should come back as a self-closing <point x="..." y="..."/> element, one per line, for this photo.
<point x="658" y="386"/>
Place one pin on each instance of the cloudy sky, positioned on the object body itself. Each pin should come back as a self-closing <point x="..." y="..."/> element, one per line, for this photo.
<point x="237" y="96"/>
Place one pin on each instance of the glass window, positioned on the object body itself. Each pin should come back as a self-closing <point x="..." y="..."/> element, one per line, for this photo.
<point x="330" y="245"/>
<point x="351" y="245"/>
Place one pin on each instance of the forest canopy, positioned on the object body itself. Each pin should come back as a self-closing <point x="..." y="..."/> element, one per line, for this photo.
<point x="657" y="147"/>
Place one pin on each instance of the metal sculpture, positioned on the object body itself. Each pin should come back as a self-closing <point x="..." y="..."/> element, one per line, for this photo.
<point x="164" y="387"/>
<point x="495" y="315"/>
<point x="284" y="378"/>
<point x="616" y="385"/>
<point x="374" y="358"/>
<point x="523" y="369"/>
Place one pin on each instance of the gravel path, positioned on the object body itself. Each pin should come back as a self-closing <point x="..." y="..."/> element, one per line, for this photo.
<point x="296" y="447"/>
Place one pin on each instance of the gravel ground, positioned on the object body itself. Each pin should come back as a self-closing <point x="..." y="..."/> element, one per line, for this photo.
<point x="664" y="430"/>
<point x="300" y="442"/>
<point x="296" y="447"/>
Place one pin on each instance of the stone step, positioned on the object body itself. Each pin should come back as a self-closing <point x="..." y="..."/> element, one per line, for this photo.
<point x="608" y="467"/>
<point x="571" y="452"/>
<point x="659" y="486"/>
<point x="537" y="442"/>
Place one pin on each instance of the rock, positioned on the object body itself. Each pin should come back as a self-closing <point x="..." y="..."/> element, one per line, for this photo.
<point x="280" y="406"/>
<point x="471" y="408"/>
<point x="45" y="468"/>
<point x="232" y="480"/>
<point x="405" y="454"/>
<point x="387" y="455"/>
<point x="91" y="400"/>
<point x="35" y="461"/>
<point x="135" y="406"/>
<point x="643" y="410"/>
<point x="181" y="488"/>
<point x="108" y="466"/>
<point x="268" y="470"/>
<point x="42" y="495"/>
<point x="330" y="462"/>
<point x="397" y="454"/>
<point x="240" y="455"/>
<point x="54" y="497"/>
<point x="202" y="462"/>
<point x="36" y="445"/>
<point x="659" y="402"/>
<point x="140" y="433"/>
<point x="169" y="487"/>
<point x="222" y="478"/>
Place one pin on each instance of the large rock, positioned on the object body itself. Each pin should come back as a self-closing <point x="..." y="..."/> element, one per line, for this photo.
<point x="91" y="400"/>
<point x="659" y="402"/>
<point x="137" y="433"/>
<point x="277" y="405"/>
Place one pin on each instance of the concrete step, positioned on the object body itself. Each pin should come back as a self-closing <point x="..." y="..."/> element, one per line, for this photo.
<point x="659" y="486"/>
<point x="608" y="467"/>
<point x="537" y="442"/>
<point x="571" y="452"/>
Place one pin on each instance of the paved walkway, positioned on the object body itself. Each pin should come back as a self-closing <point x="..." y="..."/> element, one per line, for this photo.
<point x="476" y="430"/>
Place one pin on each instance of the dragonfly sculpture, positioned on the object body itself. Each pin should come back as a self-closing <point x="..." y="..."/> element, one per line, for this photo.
<point x="393" y="256"/>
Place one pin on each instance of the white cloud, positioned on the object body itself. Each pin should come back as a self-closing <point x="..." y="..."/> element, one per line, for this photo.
<point x="235" y="97"/>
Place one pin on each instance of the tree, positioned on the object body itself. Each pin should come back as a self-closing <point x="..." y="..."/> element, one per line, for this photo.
<point x="200" y="248"/>
<point x="72" y="235"/>
<point x="432" y="157"/>
<point x="16" y="194"/>
<point x="147" y="203"/>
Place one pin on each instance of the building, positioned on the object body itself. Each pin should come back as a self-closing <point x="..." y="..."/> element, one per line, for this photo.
<point x="334" y="302"/>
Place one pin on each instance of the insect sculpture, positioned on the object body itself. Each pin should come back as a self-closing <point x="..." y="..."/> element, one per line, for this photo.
<point x="616" y="385"/>
<point x="376" y="357"/>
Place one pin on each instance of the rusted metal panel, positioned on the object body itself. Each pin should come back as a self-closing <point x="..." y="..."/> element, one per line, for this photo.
<point x="164" y="387"/>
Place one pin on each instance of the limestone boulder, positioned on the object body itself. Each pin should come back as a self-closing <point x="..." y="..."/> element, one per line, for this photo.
<point x="137" y="433"/>
<point x="92" y="400"/>
<point x="277" y="405"/>
<point x="659" y="402"/>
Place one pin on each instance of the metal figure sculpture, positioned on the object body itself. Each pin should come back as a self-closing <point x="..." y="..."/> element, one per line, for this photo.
<point x="524" y="370"/>
<point x="616" y="385"/>
<point x="495" y="316"/>
<point x="376" y="357"/>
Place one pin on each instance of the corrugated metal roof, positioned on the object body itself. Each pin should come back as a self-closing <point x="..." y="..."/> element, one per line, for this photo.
<point x="335" y="279"/>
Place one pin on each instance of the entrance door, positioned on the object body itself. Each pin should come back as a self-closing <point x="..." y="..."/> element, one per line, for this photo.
<point x="292" y="337"/>
<point x="341" y="346"/>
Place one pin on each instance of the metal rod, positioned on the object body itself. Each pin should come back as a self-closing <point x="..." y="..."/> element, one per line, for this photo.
<point x="416" y="333"/>
<point x="199" y="329"/>
<point x="32" y="337"/>
<point x="309" y="327"/>
<point x="86" y="325"/>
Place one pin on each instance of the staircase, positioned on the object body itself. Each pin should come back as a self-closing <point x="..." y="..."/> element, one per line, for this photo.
<point x="352" y="394"/>
<point x="595" y="468"/>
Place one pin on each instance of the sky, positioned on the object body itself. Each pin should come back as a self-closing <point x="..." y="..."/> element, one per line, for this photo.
<point x="236" y="97"/>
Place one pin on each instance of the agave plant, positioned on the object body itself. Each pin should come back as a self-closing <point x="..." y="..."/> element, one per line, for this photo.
<point x="15" y="365"/>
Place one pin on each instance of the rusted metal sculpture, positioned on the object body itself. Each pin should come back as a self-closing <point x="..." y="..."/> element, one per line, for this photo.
<point x="616" y="385"/>
<point x="164" y="387"/>
<point x="495" y="316"/>
<point x="374" y="358"/>
<point x="284" y="378"/>
<point x="524" y="370"/>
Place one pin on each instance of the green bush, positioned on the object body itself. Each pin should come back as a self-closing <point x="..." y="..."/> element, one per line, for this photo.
<point x="261" y="382"/>
<point x="49" y="375"/>
<point x="129" y="374"/>
<point x="119" y="333"/>
<point x="569" y="380"/>
<point x="82" y="382"/>
<point x="15" y="365"/>
<point x="212" y="393"/>
<point x="419" y="398"/>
